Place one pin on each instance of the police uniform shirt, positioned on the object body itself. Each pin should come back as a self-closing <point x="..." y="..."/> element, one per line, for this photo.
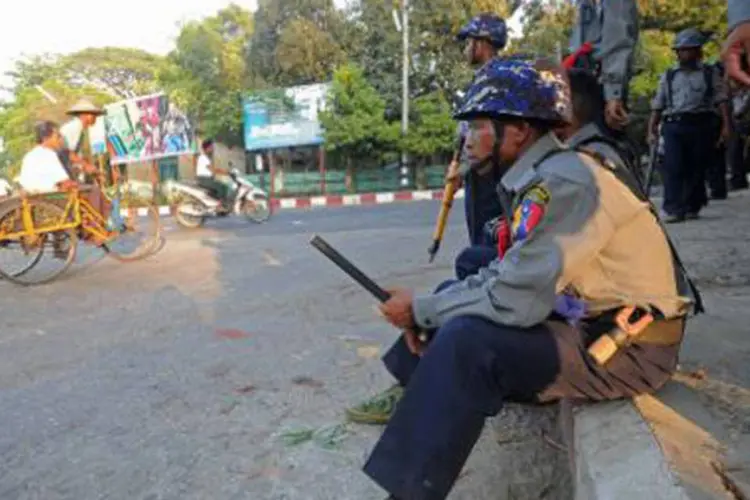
<point x="575" y="228"/>
<point x="586" y="137"/>
<point x="689" y="92"/>
<point x="612" y="27"/>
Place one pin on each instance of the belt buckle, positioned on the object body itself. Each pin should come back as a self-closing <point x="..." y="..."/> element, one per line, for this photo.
<point x="629" y="324"/>
<point x="637" y="325"/>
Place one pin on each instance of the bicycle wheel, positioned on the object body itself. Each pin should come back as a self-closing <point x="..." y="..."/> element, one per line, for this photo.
<point x="31" y="268"/>
<point x="136" y="237"/>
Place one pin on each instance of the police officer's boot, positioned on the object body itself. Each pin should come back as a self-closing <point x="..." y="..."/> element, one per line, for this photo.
<point x="378" y="409"/>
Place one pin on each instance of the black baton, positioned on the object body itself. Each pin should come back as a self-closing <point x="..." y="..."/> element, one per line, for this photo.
<point x="353" y="272"/>
<point x="350" y="269"/>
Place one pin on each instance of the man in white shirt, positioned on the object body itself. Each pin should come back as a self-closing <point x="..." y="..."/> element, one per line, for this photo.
<point x="206" y="172"/>
<point x="41" y="168"/>
<point x="43" y="172"/>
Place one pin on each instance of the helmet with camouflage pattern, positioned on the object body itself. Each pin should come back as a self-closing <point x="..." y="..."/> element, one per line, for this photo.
<point x="520" y="88"/>
<point x="486" y="26"/>
<point x="690" y="38"/>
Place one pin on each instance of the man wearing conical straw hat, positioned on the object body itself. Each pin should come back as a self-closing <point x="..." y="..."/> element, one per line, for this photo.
<point x="85" y="114"/>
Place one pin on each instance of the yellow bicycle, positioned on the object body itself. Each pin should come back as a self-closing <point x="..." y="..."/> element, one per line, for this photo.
<point x="32" y="224"/>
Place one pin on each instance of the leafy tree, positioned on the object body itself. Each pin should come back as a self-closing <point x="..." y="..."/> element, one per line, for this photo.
<point x="432" y="129"/>
<point x="283" y="27"/>
<point x="671" y="15"/>
<point x="31" y="71"/>
<point x="547" y="27"/>
<point x="17" y="119"/>
<point x="354" y="119"/>
<point x="306" y="54"/>
<point x="120" y="72"/>
<point x="209" y="73"/>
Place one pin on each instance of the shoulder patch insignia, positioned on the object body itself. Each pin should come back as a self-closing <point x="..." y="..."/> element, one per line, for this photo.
<point x="529" y="212"/>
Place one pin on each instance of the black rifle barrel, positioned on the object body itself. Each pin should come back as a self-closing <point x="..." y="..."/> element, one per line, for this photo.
<point x="350" y="269"/>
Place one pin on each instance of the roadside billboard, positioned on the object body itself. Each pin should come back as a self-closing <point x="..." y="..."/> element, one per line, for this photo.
<point x="143" y="129"/>
<point x="282" y="118"/>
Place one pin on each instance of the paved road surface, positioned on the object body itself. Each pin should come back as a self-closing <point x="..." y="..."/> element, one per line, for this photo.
<point x="180" y="376"/>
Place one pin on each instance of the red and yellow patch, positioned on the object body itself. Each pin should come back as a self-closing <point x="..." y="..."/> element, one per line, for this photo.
<point x="529" y="212"/>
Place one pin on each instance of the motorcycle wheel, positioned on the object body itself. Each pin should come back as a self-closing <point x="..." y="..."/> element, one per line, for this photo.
<point x="257" y="209"/>
<point x="188" y="220"/>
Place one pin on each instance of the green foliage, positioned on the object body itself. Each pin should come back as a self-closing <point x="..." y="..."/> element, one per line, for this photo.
<point x="210" y="74"/>
<point x="653" y="57"/>
<point x="354" y="120"/>
<point x="17" y="119"/>
<point x="306" y="54"/>
<point x="432" y="129"/>
<point x="122" y="72"/>
<point x="295" y="39"/>
<point x="548" y="26"/>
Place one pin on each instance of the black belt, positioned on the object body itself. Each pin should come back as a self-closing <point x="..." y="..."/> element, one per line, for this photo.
<point x="692" y="118"/>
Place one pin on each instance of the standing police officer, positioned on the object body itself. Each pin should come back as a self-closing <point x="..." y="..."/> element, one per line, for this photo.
<point x="611" y="26"/>
<point x="686" y="99"/>
<point x="484" y="35"/>
<point x="576" y="230"/>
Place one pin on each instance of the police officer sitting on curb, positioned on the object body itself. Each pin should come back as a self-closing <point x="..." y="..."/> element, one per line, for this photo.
<point x="578" y="231"/>
<point x="587" y="131"/>
<point x="686" y="98"/>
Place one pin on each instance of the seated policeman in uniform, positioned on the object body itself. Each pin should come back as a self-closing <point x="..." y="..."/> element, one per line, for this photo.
<point x="577" y="231"/>
<point x="586" y="130"/>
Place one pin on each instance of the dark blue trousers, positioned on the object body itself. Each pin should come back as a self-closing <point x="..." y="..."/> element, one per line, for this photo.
<point x="481" y="204"/>
<point x="473" y="258"/>
<point x="689" y="149"/>
<point x="472" y="366"/>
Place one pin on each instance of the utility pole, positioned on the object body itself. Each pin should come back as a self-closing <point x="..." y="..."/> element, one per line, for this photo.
<point x="405" y="80"/>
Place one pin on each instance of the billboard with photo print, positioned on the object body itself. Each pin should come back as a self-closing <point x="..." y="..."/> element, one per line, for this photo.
<point x="143" y="129"/>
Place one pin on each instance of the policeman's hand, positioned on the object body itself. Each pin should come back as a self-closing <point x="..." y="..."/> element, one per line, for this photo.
<point x="652" y="138"/>
<point x="732" y="54"/>
<point x="615" y="114"/>
<point x="453" y="175"/>
<point x="397" y="310"/>
<point x="415" y="345"/>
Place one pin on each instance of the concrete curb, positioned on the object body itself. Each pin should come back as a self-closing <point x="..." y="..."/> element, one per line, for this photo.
<point x="617" y="456"/>
<point x="361" y="199"/>
<point x="336" y="200"/>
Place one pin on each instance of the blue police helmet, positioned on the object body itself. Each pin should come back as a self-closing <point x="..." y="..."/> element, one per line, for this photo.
<point x="689" y="39"/>
<point x="534" y="89"/>
<point x="487" y="26"/>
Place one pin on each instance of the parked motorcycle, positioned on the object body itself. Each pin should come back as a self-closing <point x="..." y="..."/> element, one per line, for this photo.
<point x="194" y="205"/>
